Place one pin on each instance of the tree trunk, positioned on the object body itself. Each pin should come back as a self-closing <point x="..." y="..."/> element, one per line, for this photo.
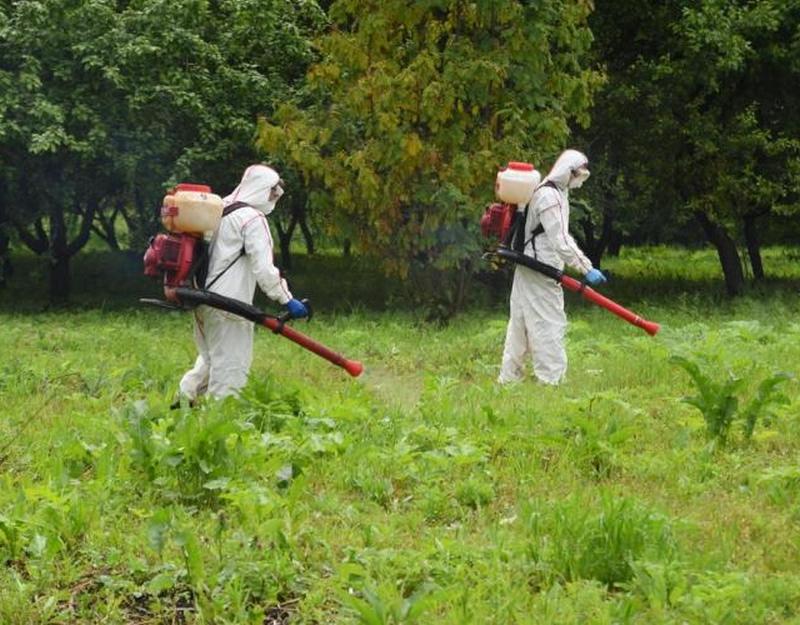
<point x="589" y="242"/>
<point x="5" y="262"/>
<point x="753" y="246"/>
<point x="106" y="229"/>
<point x="309" y="239"/>
<point x="59" y="279"/>
<point x="464" y="272"/>
<point x="614" y="243"/>
<point x="595" y="247"/>
<point x="61" y="250"/>
<point x="286" y="253"/>
<point x="298" y="218"/>
<point x="59" y="259"/>
<point x="285" y="241"/>
<point x="347" y="248"/>
<point x="727" y="252"/>
<point x="109" y="236"/>
<point x="142" y="221"/>
<point x="36" y="243"/>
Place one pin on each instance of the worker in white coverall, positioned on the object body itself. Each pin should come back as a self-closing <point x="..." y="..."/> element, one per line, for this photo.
<point x="537" y="321"/>
<point x="240" y="256"/>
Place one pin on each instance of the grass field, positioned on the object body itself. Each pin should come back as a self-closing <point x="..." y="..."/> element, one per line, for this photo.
<point x="421" y="492"/>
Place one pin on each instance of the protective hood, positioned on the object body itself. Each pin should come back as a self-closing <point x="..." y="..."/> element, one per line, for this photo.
<point x="258" y="188"/>
<point x="565" y="165"/>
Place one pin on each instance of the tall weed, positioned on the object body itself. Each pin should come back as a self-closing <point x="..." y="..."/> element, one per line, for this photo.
<point x="721" y="401"/>
<point x="187" y="455"/>
<point x="594" y="437"/>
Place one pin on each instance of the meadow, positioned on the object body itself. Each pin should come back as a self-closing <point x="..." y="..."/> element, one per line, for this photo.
<point x="659" y="484"/>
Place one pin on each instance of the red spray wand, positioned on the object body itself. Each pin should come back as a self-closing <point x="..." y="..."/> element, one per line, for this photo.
<point x="196" y="297"/>
<point x="579" y="287"/>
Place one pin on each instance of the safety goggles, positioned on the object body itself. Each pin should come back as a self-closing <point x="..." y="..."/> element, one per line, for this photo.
<point x="276" y="192"/>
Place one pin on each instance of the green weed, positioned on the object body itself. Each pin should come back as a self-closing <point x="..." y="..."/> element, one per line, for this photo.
<point x="387" y="606"/>
<point x="571" y="540"/>
<point x="186" y="455"/>
<point x="720" y="401"/>
<point x="594" y="437"/>
<point x="421" y="492"/>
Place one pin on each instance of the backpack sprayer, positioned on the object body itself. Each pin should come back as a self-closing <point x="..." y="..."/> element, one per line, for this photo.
<point x="503" y="224"/>
<point x="188" y="212"/>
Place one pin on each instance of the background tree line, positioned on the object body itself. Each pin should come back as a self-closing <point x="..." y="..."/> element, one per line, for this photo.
<point x="389" y="120"/>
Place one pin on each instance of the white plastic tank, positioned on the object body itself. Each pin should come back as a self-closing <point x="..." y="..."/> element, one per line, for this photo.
<point x="516" y="183"/>
<point x="191" y="208"/>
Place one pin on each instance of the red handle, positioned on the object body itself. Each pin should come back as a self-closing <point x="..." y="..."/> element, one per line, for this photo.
<point x="620" y="311"/>
<point x="353" y="367"/>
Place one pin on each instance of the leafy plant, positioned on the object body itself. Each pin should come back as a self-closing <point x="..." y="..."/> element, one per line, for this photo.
<point x="11" y="544"/>
<point x="388" y="607"/>
<point x="185" y="454"/>
<point x="593" y="442"/>
<point x="719" y="401"/>
<point x="267" y="406"/>
<point x="400" y="141"/>
<point x="766" y="395"/>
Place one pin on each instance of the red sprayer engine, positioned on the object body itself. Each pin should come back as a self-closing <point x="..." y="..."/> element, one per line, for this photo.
<point x="171" y="255"/>
<point x="496" y="221"/>
<point x="188" y="212"/>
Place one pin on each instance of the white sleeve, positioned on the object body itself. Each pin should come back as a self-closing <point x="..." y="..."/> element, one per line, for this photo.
<point x="258" y="246"/>
<point x="556" y="228"/>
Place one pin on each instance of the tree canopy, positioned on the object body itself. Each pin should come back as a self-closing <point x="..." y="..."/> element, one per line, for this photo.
<point x="392" y="117"/>
<point x="412" y="107"/>
<point x="106" y="103"/>
<point x="697" y="120"/>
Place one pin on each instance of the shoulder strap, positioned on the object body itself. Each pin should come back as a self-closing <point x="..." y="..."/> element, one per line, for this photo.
<point x="540" y="228"/>
<point x="516" y="230"/>
<point x="233" y="207"/>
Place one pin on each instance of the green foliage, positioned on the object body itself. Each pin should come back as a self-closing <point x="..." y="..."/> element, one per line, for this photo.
<point x="570" y="541"/>
<point x="712" y="597"/>
<point x="198" y="455"/>
<point x="188" y="457"/>
<point x="104" y="104"/>
<point x="410" y="110"/>
<point x="392" y="608"/>
<point x="475" y="493"/>
<point x="719" y="400"/>
<point x="593" y="439"/>
<point x="695" y="118"/>
<point x="421" y="492"/>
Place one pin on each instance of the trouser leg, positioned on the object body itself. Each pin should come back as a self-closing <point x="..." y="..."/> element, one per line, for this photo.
<point x="516" y="346"/>
<point x="230" y="346"/>
<point x="546" y="327"/>
<point x="195" y="381"/>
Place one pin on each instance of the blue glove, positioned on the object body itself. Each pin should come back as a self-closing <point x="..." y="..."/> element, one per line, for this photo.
<point x="595" y="277"/>
<point x="296" y="309"/>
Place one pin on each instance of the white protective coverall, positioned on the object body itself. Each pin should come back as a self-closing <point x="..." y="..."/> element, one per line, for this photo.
<point x="537" y="321"/>
<point x="224" y="340"/>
